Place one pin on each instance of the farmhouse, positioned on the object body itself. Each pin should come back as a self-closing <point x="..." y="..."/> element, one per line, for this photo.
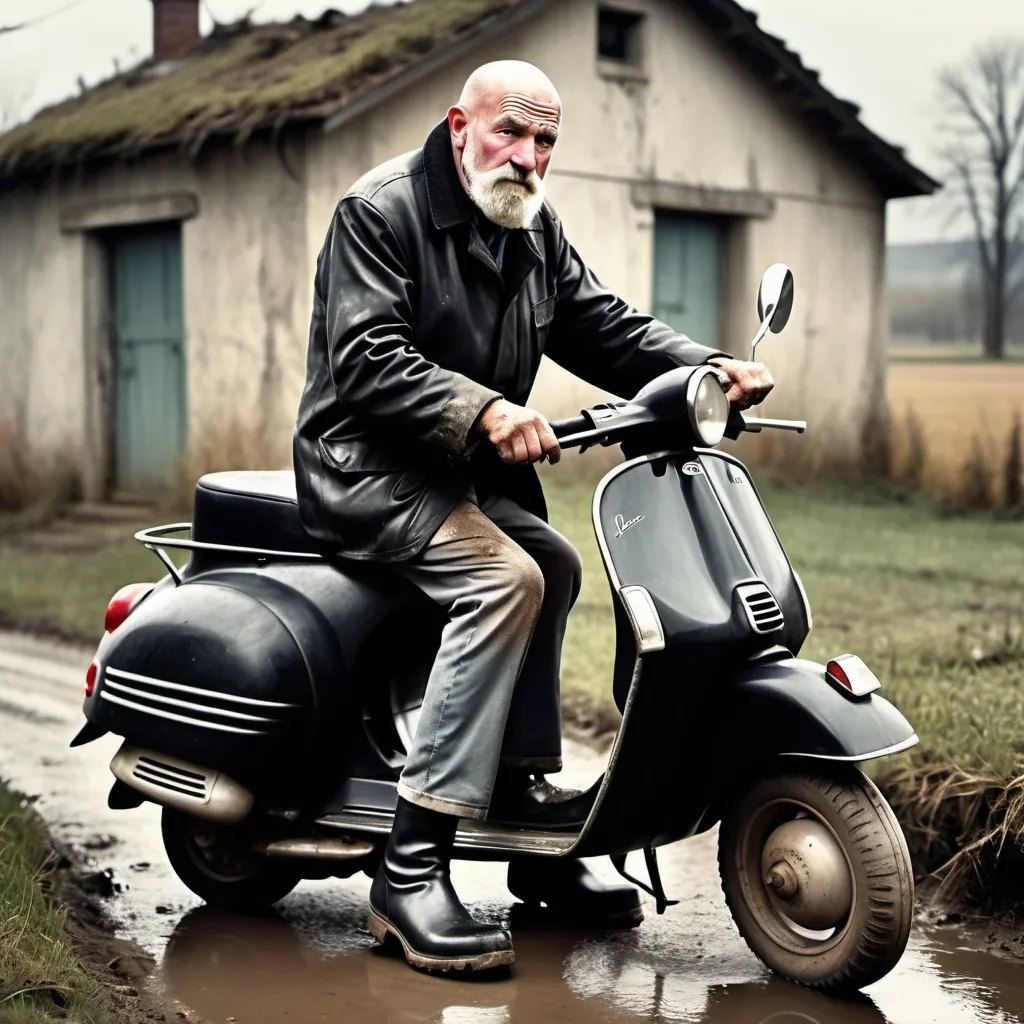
<point x="160" y="230"/>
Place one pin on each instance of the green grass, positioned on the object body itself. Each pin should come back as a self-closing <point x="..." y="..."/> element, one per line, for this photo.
<point x="935" y="606"/>
<point x="41" y="977"/>
<point x="69" y="590"/>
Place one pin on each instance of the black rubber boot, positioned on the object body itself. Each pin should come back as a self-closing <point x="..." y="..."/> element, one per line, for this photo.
<point x="413" y="899"/>
<point x="571" y="891"/>
<point x="530" y="801"/>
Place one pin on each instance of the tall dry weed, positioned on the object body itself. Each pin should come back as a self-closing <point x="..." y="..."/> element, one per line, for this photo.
<point x="909" y="458"/>
<point x="975" y="491"/>
<point x="965" y="829"/>
<point x="1013" y="469"/>
<point x="33" y="485"/>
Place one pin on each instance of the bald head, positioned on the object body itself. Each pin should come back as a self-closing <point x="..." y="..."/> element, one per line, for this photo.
<point x="492" y="82"/>
<point x="503" y="132"/>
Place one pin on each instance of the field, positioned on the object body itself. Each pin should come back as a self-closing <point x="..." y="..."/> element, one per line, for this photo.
<point x="961" y="408"/>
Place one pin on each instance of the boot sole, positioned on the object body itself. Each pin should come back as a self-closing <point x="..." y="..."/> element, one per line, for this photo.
<point x="380" y="927"/>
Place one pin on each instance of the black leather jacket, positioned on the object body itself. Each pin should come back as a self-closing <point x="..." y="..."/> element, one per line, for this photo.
<point x="415" y="331"/>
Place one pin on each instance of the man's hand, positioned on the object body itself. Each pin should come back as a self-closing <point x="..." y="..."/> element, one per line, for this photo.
<point x="745" y="384"/>
<point x="520" y="435"/>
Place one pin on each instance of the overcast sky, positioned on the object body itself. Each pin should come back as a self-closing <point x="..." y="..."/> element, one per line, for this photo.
<point x="881" y="54"/>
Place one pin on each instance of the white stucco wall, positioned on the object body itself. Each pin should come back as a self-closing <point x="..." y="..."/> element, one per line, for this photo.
<point x="245" y="298"/>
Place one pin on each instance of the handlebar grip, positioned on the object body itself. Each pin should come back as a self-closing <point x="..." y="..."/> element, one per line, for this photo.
<point x="572" y="425"/>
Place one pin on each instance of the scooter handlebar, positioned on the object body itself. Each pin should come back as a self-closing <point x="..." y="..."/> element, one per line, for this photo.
<point x="572" y="425"/>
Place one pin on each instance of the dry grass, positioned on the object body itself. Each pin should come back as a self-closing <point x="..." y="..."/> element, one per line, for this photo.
<point x="30" y="487"/>
<point x="964" y="827"/>
<point x="953" y="427"/>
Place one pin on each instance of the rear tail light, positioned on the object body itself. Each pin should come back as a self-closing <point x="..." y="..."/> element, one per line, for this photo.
<point x="848" y="673"/>
<point x="90" y="679"/>
<point x="123" y="603"/>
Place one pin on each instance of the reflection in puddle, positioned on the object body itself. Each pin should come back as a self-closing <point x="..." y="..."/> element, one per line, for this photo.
<point x="266" y="969"/>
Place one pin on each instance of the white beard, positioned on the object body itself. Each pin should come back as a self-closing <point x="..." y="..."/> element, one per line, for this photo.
<point x="502" y="194"/>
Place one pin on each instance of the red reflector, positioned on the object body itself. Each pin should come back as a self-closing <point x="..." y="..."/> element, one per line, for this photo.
<point x="121" y="604"/>
<point x="90" y="679"/>
<point x="835" y="670"/>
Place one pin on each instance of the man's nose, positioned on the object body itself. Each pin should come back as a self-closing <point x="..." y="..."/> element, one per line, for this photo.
<point x="525" y="155"/>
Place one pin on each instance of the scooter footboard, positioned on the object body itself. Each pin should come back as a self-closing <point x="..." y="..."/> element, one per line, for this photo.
<point x="786" y="707"/>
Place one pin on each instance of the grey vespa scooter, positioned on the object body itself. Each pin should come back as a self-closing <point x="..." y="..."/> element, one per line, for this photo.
<point x="265" y="704"/>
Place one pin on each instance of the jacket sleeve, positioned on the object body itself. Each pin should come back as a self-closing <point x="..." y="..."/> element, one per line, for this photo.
<point x="598" y="337"/>
<point x="364" y="284"/>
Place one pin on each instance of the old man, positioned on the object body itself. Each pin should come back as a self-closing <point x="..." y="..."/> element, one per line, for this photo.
<point x="444" y="277"/>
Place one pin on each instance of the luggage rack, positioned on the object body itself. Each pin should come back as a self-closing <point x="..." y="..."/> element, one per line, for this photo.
<point x="156" y="539"/>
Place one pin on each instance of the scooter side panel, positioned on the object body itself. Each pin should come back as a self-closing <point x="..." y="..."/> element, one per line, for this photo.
<point x="248" y="670"/>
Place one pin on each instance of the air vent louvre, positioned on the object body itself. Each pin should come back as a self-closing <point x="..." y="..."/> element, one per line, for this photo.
<point x="763" y="611"/>
<point x="166" y="776"/>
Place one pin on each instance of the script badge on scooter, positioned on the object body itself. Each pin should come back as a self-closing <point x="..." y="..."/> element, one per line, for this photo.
<point x="622" y="525"/>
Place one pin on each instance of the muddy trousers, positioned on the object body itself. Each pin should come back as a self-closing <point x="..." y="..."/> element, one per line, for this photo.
<point x="508" y="581"/>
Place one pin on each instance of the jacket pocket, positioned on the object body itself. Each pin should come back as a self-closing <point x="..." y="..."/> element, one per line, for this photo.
<point x="544" y="311"/>
<point x="352" y="455"/>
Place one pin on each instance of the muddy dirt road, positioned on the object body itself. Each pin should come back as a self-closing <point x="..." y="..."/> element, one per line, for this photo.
<point x="315" y="961"/>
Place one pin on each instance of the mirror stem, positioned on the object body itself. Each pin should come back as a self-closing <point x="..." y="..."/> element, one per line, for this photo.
<point x="762" y="331"/>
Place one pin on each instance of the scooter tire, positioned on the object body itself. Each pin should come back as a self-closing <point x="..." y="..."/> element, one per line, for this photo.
<point x="213" y="862"/>
<point x="873" y="931"/>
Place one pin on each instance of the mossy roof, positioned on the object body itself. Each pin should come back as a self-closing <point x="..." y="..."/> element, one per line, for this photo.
<point x="240" y="79"/>
<point x="245" y="78"/>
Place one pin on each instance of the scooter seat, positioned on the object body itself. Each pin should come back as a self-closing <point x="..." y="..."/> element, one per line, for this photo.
<point x="252" y="509"/>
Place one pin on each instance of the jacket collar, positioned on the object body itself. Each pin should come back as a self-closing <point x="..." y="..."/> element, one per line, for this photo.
<point x="449" y="204"/>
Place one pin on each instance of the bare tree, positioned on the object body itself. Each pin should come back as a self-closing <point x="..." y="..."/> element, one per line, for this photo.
<point x="985" y="157"/>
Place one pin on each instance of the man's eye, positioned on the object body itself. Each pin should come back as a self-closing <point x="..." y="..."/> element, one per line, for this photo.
<point x="508" y="131"/>
<point x="545" y="140"/>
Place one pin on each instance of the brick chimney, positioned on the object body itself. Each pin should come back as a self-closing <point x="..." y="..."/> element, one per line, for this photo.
<point x="175" y="28"/>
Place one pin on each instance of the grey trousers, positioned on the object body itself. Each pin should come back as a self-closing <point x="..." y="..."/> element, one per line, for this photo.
<point x="508" y="581"/>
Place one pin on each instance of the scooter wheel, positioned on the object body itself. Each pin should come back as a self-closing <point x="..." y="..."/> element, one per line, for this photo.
<point x="220" y="867"/>
<point x="818" y="878"/>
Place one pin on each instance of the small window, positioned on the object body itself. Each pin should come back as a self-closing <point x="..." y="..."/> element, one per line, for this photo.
<point x="618" y="36"/>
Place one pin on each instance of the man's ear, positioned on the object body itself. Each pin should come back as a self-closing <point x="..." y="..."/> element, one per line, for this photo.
<point x="458" y="125"/>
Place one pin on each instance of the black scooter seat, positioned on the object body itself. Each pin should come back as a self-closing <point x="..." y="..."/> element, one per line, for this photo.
<point x="251" y="509"/>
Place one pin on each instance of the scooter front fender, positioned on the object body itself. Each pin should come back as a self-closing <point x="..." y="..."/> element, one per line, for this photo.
<point x="786" y="708"/>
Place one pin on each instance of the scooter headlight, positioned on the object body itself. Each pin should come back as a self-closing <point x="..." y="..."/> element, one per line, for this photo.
<point x="707" y="407"/>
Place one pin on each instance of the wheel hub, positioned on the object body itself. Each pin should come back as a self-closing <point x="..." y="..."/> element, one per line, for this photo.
<point x="804" y="868"/>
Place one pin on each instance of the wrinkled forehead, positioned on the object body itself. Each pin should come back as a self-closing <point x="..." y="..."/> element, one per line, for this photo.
<point x="522" y="108"/>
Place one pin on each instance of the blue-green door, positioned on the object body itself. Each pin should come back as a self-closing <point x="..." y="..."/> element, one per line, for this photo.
<point x="150" y="393"/>
<point x="688" y="274"/>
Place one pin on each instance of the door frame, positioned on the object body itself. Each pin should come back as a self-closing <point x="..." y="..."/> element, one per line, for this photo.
<point x="111" y="238"/>
<point x="725" y="227"/>
<point x="96" y="223"/>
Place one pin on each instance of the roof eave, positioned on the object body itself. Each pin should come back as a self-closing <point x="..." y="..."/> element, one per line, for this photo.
<point x="894" y="174"/>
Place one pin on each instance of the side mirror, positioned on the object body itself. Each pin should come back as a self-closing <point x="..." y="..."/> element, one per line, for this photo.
<point x="774" y="302"/>
<point x="775" y="296"/>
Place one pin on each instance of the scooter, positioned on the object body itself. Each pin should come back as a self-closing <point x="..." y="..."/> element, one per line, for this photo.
<point x="267" y="694"/>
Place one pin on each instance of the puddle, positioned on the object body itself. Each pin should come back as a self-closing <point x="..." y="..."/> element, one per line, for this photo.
<point x="314" y="962"/>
